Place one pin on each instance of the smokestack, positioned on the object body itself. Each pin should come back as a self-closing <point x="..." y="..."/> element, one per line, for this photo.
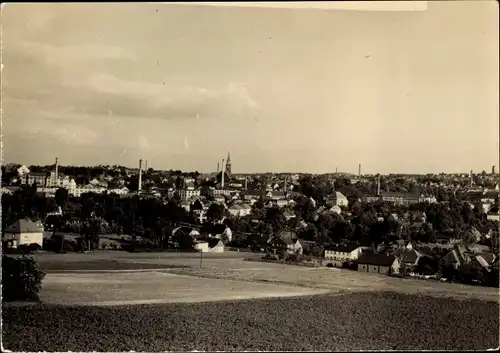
<point x="378" y="185"/>
<point x="493" y="170"/>
<point x="146" y="165"/>
<point x="57" y="171"/>
<point x="359" y="170"/>
<point x="222" y="180"/>
<point x="336" y="170"/>
<point x="218" y="167"/>
<point x="285" y="185"/>
<point x="471" y="178"/>
<point x="139" y="188"/>
<point x="246" y="183"/>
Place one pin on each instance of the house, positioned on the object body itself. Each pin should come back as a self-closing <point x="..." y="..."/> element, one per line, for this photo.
<point x="480" y="263"/>
<point x="340" y="200"/>
<point x="341" y="253"/>
<point x="38" y="178"/>
<point x="234" y="210"/>
<point x="276" y="195"/>
<point x="378" y="263"/>
<point x="24" y="232"/>
<point x="221" y="231"/>
<point x="120" y="191"/>
<point x="493" y="214"/>
<point x="456" y="257"/>
<point x="186" y="205"/>
<point x="240" y="210"/>
<point x="409" y="257"/>
<point x="215" y="245"/>
<point x="401" y="198"/>
<point x="220" y="198"/>
<point x="285" y="242"/>
<point x="307" y="246"/>
<point x="289" y="215"/>
<point x="188" y="193"/>
<point x="201" y="245"/>
<point x="22" y="171"/>
<point x="405" y="244"/>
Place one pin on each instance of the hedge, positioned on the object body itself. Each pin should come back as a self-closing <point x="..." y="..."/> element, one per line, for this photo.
<point x="21" y="278"/>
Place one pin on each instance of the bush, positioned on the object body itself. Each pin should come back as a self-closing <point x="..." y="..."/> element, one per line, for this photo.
<point x="34" y="247"/>
<point x="292" y="258"/>
<point x="21" y="278"/>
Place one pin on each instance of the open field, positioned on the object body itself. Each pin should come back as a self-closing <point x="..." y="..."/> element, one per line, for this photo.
<point x="87" y="305"/>
<point x="326" y="322"/>
<point x="154" y="287"/>
<point x="230" y="266"/>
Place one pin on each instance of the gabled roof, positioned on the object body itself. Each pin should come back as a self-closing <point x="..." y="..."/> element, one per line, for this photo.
<point x="24" y="226"/>
<point x="482" y="261"/>
<point x="213" y="242"/>
<point x="488" y="257"/>
<point x="407" y="255"/>
<point x="456" y="255"/>
<point x="376" y="259"/>
<point x="345" y="248"/>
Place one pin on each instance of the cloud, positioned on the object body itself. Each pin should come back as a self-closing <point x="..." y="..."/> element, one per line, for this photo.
<point x="103" y="93"/>
<point x="71" y="135"/>
<point x="63" y="80"/>
<point x="53" y="54"/>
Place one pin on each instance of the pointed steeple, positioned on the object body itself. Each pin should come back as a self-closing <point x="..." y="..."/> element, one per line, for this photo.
<point x="228" y="164"/>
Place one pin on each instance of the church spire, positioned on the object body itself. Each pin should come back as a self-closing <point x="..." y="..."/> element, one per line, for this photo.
<point x="228" y="164"/>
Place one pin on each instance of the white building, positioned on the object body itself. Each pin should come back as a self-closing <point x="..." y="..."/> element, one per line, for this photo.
<point x="188" y="193"/>
<point x="342" y="253"/>
<point x="22" y="171"/>
<point x="340" y="199"/>
<point x="24" y="232"/>
<point x="240" y="210"/>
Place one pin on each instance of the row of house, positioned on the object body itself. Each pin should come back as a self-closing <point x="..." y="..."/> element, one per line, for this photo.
<point x="385" y="260"/>
<point x="400" y="198"/>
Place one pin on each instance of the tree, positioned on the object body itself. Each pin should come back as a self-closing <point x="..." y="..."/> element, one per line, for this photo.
<point x="186" y="241"/>
<point x="215" y="212"/>
<point x="61" y="197"/>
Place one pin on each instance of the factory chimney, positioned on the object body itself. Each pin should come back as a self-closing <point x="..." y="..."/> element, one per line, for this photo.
<point x="359" y="170"/>
<point x="336" y="170"/>
<point x="493" y="170"/>
<point x="470" y="178"/>
<point x="378" y="184"/>
<point x="57" y="171"/>
<point x="286" y="189"/>
<point x="139" y="187"/>
<point x="146" y="165"/>
<point x="246" y="183"/>
<point x="222" y="180"/>
<point x="218" y="168"/>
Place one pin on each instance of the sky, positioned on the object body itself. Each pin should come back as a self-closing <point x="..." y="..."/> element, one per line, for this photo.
<point x="281" y="89"/>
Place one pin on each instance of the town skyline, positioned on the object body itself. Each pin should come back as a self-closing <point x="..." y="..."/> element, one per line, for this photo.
<point x="219" y="167"/>
<point x="306" y="91"/>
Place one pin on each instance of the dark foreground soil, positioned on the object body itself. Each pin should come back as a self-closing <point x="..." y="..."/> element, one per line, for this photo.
<point x="330" y="322"/>
<point x="99" y="265"/>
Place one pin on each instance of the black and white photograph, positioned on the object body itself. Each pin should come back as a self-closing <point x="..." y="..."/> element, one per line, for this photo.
<point x="250" y="176"/>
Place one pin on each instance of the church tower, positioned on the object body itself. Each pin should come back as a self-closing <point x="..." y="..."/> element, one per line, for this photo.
<point x="228" y="165"/>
